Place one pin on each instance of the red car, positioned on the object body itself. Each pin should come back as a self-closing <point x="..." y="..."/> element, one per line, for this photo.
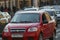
<point x="30" y="25"/>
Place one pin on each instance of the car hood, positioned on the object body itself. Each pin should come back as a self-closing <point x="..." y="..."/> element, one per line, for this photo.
<point x="21" y="25"/>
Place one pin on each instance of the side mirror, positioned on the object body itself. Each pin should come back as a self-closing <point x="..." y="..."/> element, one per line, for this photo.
<point x="45" y="21"/>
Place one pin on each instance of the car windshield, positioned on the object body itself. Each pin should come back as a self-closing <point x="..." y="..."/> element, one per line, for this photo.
<point x="51" y="13"/>
<point x="26" y="18"/>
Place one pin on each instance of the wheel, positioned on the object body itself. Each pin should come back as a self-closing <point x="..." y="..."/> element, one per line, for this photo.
<point x="53" y="36"/>
<point x="40" y="37"/>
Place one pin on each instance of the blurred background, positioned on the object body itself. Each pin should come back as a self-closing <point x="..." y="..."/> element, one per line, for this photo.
<point x="20" y="4"/>
<point x="11" y="6"/>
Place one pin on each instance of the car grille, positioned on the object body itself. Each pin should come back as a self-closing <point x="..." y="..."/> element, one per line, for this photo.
<point x="19" y="30"/>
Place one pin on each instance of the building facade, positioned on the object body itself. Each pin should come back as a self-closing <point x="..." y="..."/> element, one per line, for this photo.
<point x="24" y="3"/>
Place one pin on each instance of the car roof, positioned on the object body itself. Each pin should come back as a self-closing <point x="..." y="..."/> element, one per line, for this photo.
<point x="19" y="12"/>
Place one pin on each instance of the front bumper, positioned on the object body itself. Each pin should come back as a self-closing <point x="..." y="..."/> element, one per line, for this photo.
<point x="26" y="36"/>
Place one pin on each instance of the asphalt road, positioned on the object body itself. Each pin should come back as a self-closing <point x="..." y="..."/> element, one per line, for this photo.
<point x="57" y="33"/>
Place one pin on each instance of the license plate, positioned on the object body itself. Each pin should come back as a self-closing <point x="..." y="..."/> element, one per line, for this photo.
<point x="17" y="35"/>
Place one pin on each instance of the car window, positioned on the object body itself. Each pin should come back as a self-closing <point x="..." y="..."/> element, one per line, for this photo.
<point x="44" y="18"/>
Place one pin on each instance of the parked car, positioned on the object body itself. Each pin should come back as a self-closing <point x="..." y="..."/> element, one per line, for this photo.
<point x="52" y="13"/>
<point x="29" y="25"/>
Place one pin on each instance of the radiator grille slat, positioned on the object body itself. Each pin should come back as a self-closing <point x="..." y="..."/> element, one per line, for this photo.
<point x="17" y="30"/>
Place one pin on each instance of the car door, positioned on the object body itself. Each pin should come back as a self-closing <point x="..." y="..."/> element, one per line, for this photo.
<point x="46" y="26"/>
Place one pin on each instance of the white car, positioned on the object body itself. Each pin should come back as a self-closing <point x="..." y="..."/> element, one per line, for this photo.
<point x="4" y="17"/>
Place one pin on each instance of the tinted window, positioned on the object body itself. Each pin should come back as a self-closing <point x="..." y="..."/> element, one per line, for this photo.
<point x="26" y="18"/>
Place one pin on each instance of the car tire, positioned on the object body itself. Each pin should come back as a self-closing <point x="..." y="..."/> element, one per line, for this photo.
<point x="53" y="36"/>
<point x="40" y="37"/>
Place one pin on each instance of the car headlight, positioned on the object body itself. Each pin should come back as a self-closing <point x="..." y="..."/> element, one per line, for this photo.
<point x="6" y="30"/>
<point x="32" y="29"/>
